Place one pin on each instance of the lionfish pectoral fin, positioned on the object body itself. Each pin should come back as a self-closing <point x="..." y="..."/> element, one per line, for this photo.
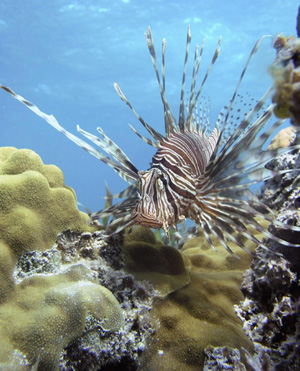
<point x="126" y="173"/>
<point x="166" y="229"/>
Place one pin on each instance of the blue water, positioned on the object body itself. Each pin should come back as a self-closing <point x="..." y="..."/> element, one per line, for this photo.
<point x="65" y="56"/>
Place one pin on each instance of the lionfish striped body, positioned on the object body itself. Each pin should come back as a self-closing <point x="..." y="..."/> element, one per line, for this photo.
<point x="171" y="188"/>
<point x="192" y="175"/>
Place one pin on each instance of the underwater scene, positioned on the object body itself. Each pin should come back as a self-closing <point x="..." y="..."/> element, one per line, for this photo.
<point x="149" y="202"/>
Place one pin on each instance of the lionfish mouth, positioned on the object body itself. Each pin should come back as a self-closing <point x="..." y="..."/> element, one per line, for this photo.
<point x="204" y="177"/>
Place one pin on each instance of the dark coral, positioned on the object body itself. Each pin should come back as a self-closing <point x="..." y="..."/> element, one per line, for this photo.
<point x="271" y="310"/>
<point x="223" y="358"/>
<point x="35" y="262"/>
<point x="97" y="349"/>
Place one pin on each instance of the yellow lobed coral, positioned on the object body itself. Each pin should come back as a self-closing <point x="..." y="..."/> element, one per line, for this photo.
<point x="201" y="313"/>
<point x="147" y="259"/>
<point x="42" y="314"/>
<point x="46" y="313"/>
<point x="35" y="205"/>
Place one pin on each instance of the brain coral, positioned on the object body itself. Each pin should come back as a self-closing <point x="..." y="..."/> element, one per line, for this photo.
<point x="35" y="205"/>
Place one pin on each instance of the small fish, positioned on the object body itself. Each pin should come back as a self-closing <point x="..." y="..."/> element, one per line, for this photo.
<point x="193" y="175"/>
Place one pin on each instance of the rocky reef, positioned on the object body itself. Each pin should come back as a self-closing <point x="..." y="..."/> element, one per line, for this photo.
<point x="271" y="309"/>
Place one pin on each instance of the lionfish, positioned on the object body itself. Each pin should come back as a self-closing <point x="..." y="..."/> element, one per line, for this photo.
<point x="193" y="175"/>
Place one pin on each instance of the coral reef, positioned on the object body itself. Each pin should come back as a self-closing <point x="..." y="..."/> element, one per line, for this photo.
<point x="161" y="265"/>
<point x="223" y="358"/>
<point x="35" y="205"/>
<point x="181" y="324"/>
<point x="285" y="72"/>
<point x="74" y="309"/>
<point x="97" y="349"/>
<point x="71" y="304"/>
<point x="44" y="304"/>
<point x="129" y="301"/>
<point x="271" y="309"/>
<point x="283" y="139"/>
<point x="200" y="314"/>
<point x="46" y="313"/>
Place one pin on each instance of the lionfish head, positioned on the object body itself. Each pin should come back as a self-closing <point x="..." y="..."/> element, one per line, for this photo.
<point x="153" y="209"/>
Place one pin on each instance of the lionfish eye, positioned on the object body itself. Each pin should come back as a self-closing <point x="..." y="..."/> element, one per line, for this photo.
<point x="164" y="180"/>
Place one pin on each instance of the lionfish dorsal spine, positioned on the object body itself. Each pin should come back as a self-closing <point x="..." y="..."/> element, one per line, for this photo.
<point x="181" y="123"/>
<point x="170" y="120"/>
<point x="196" y="65"/>
<point x="167" y="118"/>
<point x="266" y="95"/>
<point x="193" y="101"/>
<point x="157" y="136"/>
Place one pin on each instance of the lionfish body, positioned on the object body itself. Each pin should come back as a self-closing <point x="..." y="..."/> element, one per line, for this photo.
<point x="192" y="175"/>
